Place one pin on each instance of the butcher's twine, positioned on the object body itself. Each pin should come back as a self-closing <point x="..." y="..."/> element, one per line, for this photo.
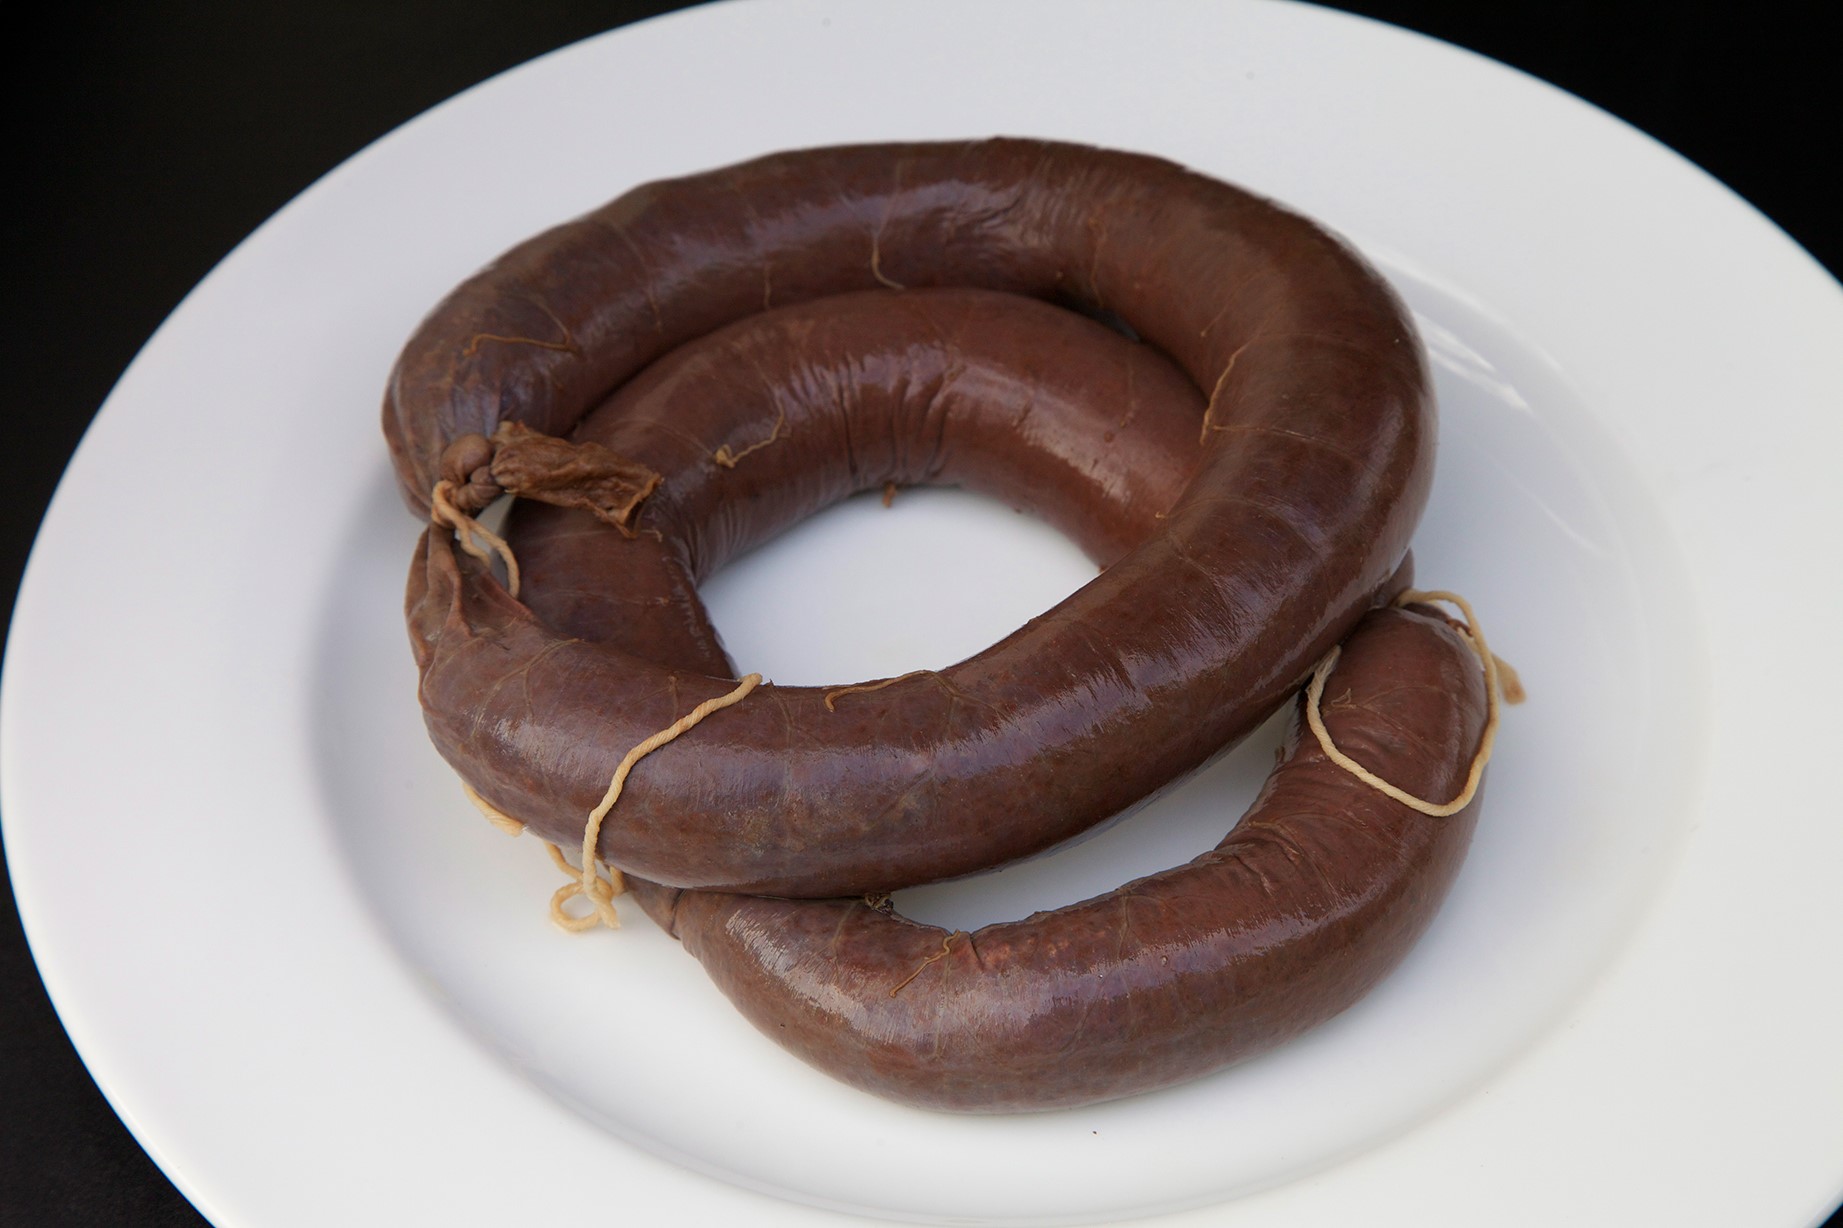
<point x="1501" y="684"/>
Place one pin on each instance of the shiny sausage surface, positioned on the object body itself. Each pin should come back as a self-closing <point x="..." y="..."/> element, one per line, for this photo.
<point x="783" y="414"/>
<point x="1315" y="456"/>
<point x="1309" y="901"/>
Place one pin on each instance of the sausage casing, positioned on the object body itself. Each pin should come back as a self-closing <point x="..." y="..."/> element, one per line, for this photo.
<point x="1316" y="445"/>
<point x="1309" y="901"/>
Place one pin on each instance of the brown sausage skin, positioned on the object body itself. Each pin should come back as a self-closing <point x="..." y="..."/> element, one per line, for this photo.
<point x="774" y="418"/>
<point x="1317" y="447"/>
<point x="1028" y="401"/>
<point x="1203" y="270"/>
<point x="1313" y="897"/>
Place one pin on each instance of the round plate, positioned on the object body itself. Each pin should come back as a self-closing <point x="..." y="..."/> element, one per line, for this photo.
<point x="320" y="990"/>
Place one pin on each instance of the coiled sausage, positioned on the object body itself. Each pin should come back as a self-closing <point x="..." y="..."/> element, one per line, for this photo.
<point x="1315" y="460"/>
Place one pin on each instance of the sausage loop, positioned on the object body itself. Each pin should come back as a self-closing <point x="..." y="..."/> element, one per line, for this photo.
<point x="1236" y="555"/>
<point x="1229" y="566"/>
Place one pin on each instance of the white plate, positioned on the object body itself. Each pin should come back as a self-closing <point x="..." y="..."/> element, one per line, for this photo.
<point x="320" y="991"/>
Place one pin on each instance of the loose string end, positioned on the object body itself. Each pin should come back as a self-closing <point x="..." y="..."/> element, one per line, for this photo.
<point x="1509" y="682"/>
<point x="469" y="533"/>
<point x="494" y="815"/>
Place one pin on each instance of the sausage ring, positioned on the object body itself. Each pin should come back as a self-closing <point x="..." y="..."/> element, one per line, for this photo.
<point x="1314" y="463"/>
<point x="1312" y="898"/>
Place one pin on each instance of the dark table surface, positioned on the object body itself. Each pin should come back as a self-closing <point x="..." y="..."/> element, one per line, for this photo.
<point x="149" y="138"/>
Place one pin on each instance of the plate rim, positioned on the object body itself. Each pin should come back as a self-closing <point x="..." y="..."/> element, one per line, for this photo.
<point x="23" y="879"/>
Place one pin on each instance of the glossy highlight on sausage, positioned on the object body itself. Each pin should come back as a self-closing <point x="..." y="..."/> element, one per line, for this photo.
<point x="776" y="417"/>
<point x="1314" y="459"/>
<point x="1310" y="900"/>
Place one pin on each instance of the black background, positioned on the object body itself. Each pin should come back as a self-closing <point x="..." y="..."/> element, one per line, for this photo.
<point x="146" y="139"/>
